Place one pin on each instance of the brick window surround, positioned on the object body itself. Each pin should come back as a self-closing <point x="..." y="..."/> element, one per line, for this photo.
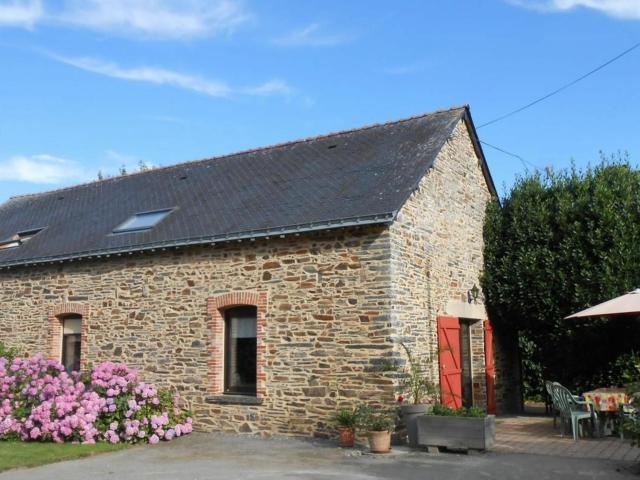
<point x="216" y="307"/>
<point x="56" y="315"/>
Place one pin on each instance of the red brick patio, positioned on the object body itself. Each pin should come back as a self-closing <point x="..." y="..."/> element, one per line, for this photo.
<point x="535" y="434"/>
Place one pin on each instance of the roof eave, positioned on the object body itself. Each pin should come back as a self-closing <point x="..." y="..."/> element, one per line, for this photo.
<point x="479" y="152"/>
<point x="377" y="219"/>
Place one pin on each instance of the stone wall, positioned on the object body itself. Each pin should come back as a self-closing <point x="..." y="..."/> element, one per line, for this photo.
<point x="331" y="306"/>
<point x="326" y="323"/>
<point x="436" y="252"/>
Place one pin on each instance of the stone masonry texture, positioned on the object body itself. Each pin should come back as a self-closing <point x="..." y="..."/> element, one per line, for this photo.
<point x="436" y="252"/>
<point x="332" y="307"/>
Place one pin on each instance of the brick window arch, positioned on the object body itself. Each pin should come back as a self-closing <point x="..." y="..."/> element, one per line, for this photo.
<point x="216" y="307"/>
<point x="56" y="316"/>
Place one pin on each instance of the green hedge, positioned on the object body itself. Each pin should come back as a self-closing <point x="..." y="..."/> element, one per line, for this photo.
<point x="560" y="242"/>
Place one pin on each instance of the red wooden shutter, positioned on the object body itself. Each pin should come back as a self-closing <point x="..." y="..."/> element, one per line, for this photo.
<point x="450" y="361"/>
<point x="490" y="367"/>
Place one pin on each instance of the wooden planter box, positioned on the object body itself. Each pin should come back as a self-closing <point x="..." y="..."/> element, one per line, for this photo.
<point x="475" y="433"/>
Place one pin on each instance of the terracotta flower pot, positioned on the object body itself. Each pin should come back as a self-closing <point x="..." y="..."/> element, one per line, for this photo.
<point x="347" y="437"/>
<point x="379" y="442"/>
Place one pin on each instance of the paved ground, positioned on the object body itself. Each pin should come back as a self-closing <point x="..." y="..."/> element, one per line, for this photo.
<point x="228" y="457"/>
<point x="535" y="434"/>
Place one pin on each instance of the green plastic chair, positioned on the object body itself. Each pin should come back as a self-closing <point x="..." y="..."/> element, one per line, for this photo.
<point x="573" y="410"/>
<point x="548" y="385"/>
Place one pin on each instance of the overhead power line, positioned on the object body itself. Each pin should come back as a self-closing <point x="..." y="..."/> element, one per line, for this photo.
<point x="564" y="87"/>
<point x="511" y="154"/>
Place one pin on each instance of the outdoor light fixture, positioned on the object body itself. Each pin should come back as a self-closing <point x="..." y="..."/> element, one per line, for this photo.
<point x="472" y="295"/>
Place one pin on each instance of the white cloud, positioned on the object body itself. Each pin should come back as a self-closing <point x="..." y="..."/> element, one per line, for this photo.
<point x="311" y="36"/>
<point x="163" y="19"/>
<point x="124" y="158"/>
<point x="161" y="76"/>
<point x="41" y="168"/>
<point x="406" y="69"/>
<point x="272" y="87"/>
<point x="626" y="9"/>
<point x="21" y="13"/>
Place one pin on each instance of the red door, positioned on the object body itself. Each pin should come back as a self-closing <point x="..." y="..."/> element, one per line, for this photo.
<point x="450" y="361"/>
<point x="490" y="367"/>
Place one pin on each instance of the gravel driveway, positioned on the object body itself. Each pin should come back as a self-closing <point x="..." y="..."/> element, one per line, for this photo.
<point x="218" y="456"/>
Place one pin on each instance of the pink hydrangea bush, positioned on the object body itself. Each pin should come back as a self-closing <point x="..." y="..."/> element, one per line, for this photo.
<point x="136" y="411"/>
<point x="39" y="400"/>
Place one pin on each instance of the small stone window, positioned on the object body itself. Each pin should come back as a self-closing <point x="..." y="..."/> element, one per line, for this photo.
<point x="237" y="324"/>
<point x="71" y="342"/>
<point x="240" y="350"/>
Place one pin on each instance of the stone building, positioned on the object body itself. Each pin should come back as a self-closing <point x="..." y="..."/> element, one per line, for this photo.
<point x="271" y="286"/>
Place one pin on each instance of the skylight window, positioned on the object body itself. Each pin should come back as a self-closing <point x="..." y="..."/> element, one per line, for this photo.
<point x="143" y="221"/>
<point x="19" y="238"/>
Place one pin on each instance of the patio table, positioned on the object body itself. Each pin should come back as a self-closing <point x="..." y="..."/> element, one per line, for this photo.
<point x="607" y="403"/>
<point x="607" y="399"/>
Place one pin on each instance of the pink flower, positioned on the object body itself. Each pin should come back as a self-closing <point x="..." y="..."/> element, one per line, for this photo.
<point x="59" y="407"/>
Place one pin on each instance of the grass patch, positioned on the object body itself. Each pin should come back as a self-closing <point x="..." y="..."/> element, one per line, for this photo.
<point x="15" y="454"/>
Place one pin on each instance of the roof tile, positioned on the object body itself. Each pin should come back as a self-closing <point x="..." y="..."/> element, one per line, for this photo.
<point x="356" y="174"/>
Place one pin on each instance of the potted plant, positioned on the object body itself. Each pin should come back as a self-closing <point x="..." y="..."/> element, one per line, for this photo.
<point x="462" y="428"/>
<point x="346" y="421"/>
<point x="378" y="424"/>
<point x="417" y="394"/>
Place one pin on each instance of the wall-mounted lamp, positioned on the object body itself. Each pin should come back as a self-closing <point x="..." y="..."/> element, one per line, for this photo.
<point x="472" y="295"/>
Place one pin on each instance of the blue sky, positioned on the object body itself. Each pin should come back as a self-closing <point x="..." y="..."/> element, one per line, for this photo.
<point x="89" y="85"/>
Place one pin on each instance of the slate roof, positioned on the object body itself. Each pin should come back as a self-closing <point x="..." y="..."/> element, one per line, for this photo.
<point x="354" y="177"/>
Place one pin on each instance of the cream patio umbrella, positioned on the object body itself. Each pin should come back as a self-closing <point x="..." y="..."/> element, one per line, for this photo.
<point x="628" y="304"/>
